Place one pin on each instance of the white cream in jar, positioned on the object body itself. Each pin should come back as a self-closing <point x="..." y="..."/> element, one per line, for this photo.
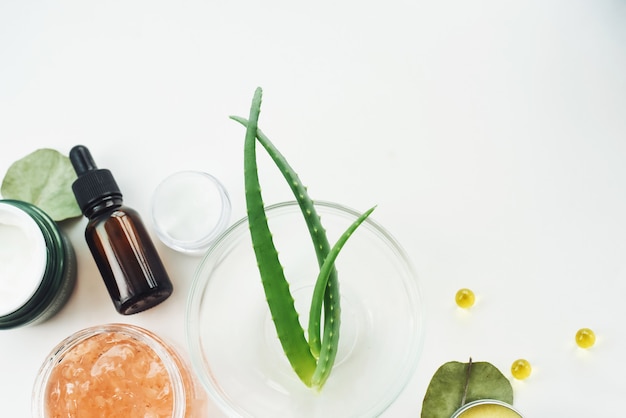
<point x="37" y="265"/>
<point x="22" y="258"/>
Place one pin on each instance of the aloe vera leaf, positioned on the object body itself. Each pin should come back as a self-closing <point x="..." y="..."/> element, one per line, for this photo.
<point x="329" y="346"/>
<point x="331" y="298"/>
<point x="327" y="282"/>
<point x="276" y="287"/>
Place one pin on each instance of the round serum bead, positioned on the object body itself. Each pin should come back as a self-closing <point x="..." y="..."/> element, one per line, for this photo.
<point x="585" y="338"/>
<point x="521" y="369"/>
<point x="465" y="298"/>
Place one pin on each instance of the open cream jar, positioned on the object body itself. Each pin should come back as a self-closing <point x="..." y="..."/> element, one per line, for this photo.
<point x="487" y="408"/>
<point x="37" y="265"/>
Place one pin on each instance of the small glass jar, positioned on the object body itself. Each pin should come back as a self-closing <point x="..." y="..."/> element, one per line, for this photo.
<point x="37" y="265"/>
<point x="116" y="370"/>
<point x="190" y="209"/>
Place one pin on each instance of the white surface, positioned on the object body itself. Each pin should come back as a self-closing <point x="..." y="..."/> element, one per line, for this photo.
<point x="491" y="134"/>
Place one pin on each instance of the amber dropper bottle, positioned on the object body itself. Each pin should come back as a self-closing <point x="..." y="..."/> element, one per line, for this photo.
<point x="119" y="242"/>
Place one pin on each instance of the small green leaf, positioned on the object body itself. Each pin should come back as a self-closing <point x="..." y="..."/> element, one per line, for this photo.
<point x="43" y="178"/>
<point x="455" y="384"/>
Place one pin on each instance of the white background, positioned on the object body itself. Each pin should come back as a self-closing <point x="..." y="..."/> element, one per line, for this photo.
<point x="491" y="135"/>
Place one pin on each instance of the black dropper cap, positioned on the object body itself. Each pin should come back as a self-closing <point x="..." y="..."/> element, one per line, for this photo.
<point x="93" y="184"/>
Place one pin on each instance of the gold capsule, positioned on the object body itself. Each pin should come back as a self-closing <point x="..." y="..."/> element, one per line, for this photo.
<point x="521" y="369"/>
<point x="585" y="338"/>
<point x="465" y="298"/>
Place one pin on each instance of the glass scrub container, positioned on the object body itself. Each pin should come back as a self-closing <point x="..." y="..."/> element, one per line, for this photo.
<point x="116" y="370"/>
<point x="189" y="210"/>
<point x="487" y="408"/>
<point x="232" y="340"/>
<point x="37" y="265"/>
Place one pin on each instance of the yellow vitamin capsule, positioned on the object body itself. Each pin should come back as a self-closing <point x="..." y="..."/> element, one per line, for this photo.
<point x="585" y="338"/>
<point x="521" y="369"/>
<point x="465" y="298"/>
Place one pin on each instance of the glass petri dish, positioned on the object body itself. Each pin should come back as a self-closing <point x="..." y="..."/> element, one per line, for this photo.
<point x="189" y="210"/>
<point x="233" y="344"/>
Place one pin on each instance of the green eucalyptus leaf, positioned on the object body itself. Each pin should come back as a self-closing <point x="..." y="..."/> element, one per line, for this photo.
<point x="455" y="384"/>
<point x="43" y="178"/>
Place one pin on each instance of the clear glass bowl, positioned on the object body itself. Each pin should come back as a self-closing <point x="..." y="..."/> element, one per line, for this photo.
<point x="233" y="344"/>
